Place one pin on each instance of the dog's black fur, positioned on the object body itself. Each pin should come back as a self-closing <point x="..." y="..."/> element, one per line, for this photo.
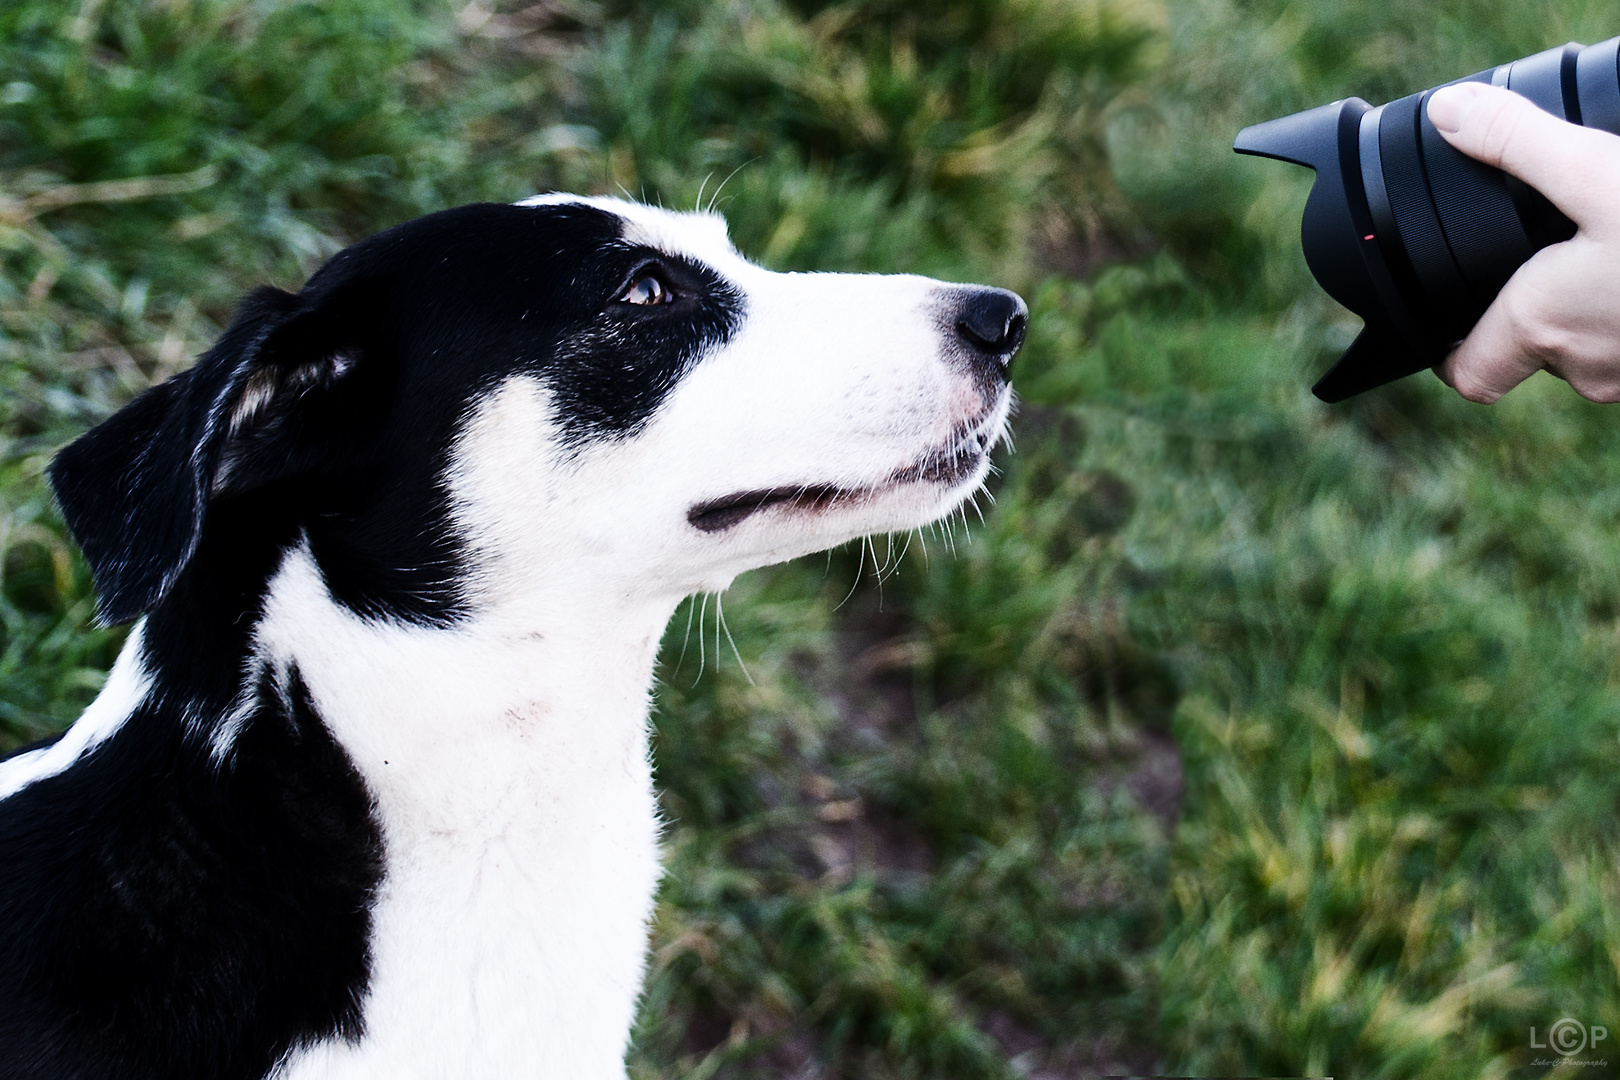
<point x="165" y="917"/>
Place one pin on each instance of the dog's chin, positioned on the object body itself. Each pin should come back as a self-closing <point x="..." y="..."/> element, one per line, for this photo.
<point x="921" y="491"/>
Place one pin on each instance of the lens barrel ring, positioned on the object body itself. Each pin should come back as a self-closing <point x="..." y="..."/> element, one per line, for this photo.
<point x="1418" y="224"/>
<point x="1597" y="82"/>
<point x="1481" y="224"/>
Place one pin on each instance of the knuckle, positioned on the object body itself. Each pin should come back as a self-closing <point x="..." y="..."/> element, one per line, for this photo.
<point x="1467" y="383"/>
<point x="1500" y="131"/>
<point x="1544" y="342"/>
<point x="1594" y="378"/>
<point x="1604" y="159"/>
<point x="1604" y="393"/>
<point x="1536" y="335"/>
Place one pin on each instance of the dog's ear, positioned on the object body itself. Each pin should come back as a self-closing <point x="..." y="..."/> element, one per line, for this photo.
<point x="134" y="490"/>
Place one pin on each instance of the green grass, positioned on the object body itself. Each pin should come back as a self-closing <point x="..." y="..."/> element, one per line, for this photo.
<point x="1243" y="736"/>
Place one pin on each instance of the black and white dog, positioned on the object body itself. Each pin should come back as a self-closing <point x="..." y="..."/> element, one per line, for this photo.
<point x="367" y="792"/>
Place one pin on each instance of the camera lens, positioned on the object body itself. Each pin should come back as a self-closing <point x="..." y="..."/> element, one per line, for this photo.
<point x="1412" y="235"/>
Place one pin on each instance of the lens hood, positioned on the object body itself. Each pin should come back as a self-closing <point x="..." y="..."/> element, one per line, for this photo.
<point x="1412" y="235"/>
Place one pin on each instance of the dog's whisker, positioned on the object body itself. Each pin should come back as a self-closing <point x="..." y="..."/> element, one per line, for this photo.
<point x="691" y="605"/>
<point x="702" y="655"/>
<point x="877" y="571"/>
<point x="716" y="196"/>
<point x="720" y="617"/>
<point x="860" y="569"/>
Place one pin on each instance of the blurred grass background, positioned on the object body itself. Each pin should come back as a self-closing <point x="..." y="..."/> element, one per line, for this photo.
<point x="1243" y="736"/>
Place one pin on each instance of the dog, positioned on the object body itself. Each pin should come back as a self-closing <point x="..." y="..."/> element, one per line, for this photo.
<point x="367" y="791"/>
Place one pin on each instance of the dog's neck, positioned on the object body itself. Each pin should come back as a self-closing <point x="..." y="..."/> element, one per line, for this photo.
<point x="413" y="705"/>
<point x="508" y="762"/>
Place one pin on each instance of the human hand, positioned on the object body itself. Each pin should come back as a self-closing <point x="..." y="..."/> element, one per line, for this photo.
<point x="1560" y="310"/>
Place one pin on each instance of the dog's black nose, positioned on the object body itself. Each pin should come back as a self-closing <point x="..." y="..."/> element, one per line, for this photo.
<point x="992" y="323"/>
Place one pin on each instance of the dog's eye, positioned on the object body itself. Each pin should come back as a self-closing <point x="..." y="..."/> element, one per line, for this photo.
<point x="647" y="290"/>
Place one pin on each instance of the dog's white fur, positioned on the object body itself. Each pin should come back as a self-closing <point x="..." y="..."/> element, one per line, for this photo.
<point x="508" y="754"/>
<point x="127" y="685"/>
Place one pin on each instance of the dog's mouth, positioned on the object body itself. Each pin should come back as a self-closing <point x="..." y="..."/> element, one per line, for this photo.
<point x="717" y="515"/>
<point x="949" y="465"/>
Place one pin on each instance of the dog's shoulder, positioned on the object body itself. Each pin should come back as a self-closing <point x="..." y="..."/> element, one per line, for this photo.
<point x="170" y="914"/>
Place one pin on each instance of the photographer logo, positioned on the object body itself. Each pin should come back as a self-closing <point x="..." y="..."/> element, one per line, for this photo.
<point x="1567" y="1038"/>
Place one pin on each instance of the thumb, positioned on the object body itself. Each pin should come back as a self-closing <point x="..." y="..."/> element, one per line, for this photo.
<point x="1572" y="166"/>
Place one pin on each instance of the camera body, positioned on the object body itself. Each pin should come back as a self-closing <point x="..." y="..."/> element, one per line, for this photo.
<point x="1412" y="235"/>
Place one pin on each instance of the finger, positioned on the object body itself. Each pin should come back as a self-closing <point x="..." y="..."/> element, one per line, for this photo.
<point x="1571" y="165"/>
<point x="1495" y="356"/>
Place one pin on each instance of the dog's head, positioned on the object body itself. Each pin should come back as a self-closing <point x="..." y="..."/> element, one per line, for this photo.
<point x="479" y="402"/>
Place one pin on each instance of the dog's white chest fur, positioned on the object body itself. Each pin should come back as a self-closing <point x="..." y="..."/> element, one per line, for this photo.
<point x="518" y="816"/>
